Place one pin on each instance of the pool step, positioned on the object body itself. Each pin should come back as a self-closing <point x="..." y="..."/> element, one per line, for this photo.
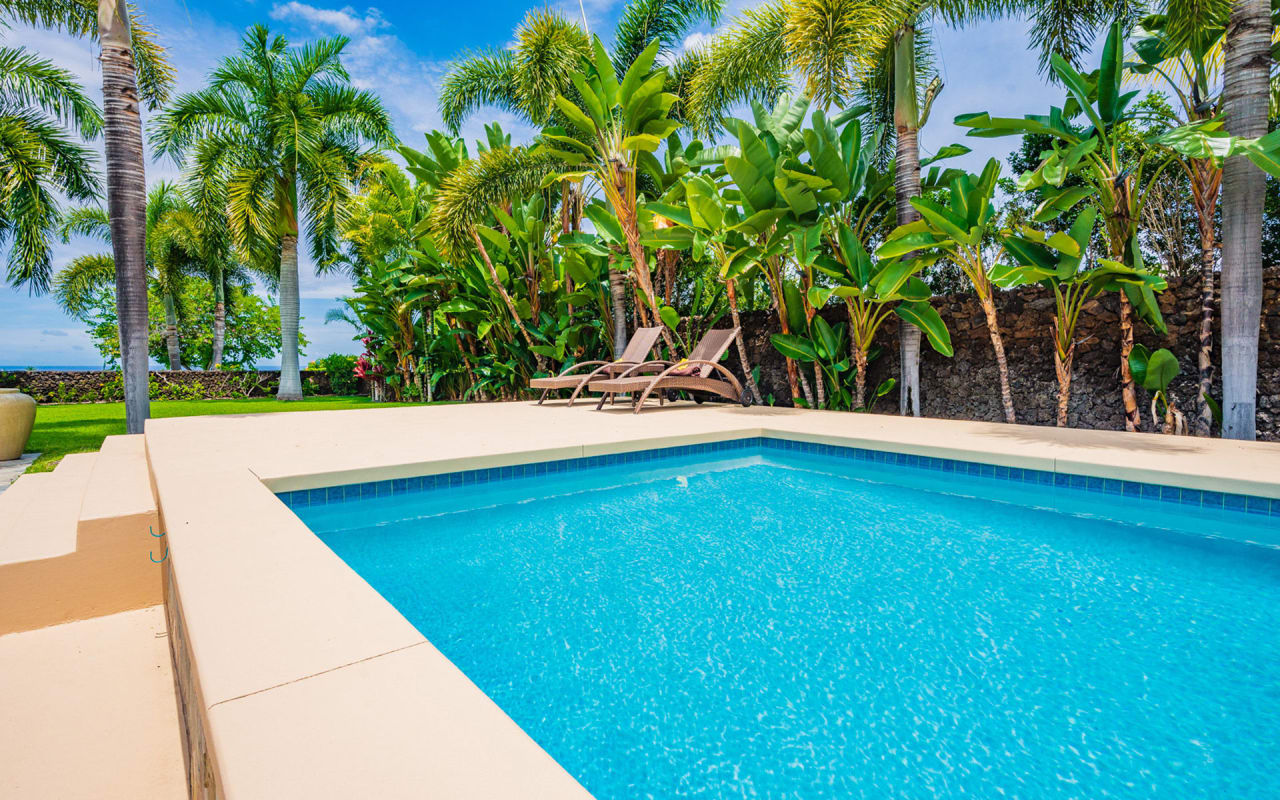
<point x="75" y="543"/>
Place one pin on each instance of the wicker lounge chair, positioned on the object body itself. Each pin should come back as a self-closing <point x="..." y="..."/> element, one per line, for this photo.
<point x="642" y="341"/>
<point x="691" y="375"/>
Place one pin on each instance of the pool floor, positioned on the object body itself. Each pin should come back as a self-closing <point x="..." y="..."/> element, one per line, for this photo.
<point x="766" y="624"/>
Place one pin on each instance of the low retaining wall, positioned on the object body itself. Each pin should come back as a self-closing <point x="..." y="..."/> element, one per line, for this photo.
<point x="96" y="386"/>
<point x="967" y="386"/>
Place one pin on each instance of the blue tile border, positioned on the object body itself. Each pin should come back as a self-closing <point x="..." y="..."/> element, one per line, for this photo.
<point x="1218" y="501"/>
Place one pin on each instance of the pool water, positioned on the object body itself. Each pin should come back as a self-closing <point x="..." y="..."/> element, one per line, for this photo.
<point x="770" y="624"/>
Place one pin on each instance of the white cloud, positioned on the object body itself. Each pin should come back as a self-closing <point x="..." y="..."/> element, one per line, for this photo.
<point x="343" y="20"/>
<point x="381" y="62"/>
<point x="53" y="332"/>
<point x="696" y="40"/>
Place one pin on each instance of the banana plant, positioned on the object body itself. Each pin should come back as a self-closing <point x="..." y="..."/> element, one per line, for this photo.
<point x="707" y="223"/>
<point x="826" y="347"/>
<point x="779" y="165"/>
<point x="962" y="230"/>
<point x="1056" y="261"/>
<point x="615" y="128"/>
<point x="1084" y="142"/>
<point x="389" y="301"/>
<point x="1154" y="372"/>
<point x="523" y="243"/>
<point x="872" y="289"/>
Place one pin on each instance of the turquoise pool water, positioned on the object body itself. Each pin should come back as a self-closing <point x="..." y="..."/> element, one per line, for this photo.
<point x="761" y="623"/>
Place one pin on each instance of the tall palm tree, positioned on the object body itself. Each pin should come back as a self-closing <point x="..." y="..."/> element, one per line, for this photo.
<point x="38" y="159"/>
<point x="133" y="64"/>
<point x="1246" y="96"/>
<point x="838" y="47"/>
<point x="1183" y="66"/>
<point x="276" y="139"/>
<point x="174" y="250"/>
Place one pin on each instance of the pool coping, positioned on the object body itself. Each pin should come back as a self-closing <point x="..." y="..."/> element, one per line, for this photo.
<point x="292" y="659"/>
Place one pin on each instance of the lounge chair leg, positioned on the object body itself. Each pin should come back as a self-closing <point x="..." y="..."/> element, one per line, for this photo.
<point x="544" y="396"/>
<point x="603" y="397"/>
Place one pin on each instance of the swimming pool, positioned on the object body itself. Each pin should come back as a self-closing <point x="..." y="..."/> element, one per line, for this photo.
<point x="764" y="618"/>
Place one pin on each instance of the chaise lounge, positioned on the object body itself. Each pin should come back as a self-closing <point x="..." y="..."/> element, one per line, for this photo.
<point x="642" y="342"/>
<point x="692" y="374"/>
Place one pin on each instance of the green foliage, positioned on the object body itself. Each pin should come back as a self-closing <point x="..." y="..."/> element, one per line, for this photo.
<point x="252" y="327"/>
<point x="341" y="371"/>
<point x="40" y="160"/>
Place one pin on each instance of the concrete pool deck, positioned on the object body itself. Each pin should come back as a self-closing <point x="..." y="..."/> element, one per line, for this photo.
<point x="298" y="680"/>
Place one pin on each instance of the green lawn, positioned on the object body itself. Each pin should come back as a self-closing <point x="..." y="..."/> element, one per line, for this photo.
<point x="81" y="427"/>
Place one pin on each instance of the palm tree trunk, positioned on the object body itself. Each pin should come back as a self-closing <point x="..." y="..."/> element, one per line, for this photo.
<point x="1246" y="87"/>
<point x="219" y="319"/>
<point x="906" y="115"/>
<point x="1205" y="182"/>
<point x="780" y="307"/>
<point x="860" y="379"/>
<point x="997" y="343"/>
<point x="506" y="297"/>
<point x="290" y="377"/>
<point x="1063" y="368"/>
<point x="732" y="292"/>
<point x="618" y="294"/>
<point x="808" y="391"/>
<point x="126" y="205"/>
<point x="171" y="333"/>
<point x="630" y="229"/>
<point x="1128" y="389"/>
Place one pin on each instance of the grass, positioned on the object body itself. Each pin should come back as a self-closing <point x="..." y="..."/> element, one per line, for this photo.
<point x="81" y="427"/>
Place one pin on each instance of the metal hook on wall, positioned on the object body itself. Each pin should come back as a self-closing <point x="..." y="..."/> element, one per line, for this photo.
<point x="151" y="553"/>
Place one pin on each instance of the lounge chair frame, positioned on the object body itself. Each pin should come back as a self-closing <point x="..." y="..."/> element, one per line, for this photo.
<point x="602" y="368"/>
<point x="642" y="386"/>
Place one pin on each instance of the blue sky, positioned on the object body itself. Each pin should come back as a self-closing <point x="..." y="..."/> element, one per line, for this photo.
<point x="400" y="50"/>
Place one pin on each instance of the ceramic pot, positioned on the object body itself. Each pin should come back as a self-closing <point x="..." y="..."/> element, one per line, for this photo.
<point x="17" y="415"/>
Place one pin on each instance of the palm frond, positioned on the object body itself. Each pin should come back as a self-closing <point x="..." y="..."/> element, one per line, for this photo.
<point x="668" y="21"/>
<point x="480" y="79"/>
<point x="155" y="75"/>
<point x="28" y="80"/>
<point x="833" y="43"/>
<point x="85" y="221"/>
<point x="76" y="284"/>
<point x="37" y="158"/>
<point x="493" y="177"/>
<point x="352" y="114"/>
<point x="748" y="62"/>
<point x="315" y="61"/>
<point x="548" y="53"/>
<point x="1069" y="27"/>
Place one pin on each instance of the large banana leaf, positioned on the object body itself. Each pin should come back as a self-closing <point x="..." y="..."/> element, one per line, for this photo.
<point x="926" y="318"/>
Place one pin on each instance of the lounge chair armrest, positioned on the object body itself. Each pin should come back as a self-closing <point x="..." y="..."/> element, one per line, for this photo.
<point x="693" y="363"/>
<point x="581" y="364"/>
<point x="644" y="365"/>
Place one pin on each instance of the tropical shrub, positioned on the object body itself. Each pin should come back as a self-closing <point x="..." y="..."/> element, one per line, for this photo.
<point x="340" y="368"/>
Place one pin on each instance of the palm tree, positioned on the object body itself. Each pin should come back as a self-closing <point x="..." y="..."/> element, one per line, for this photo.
<point x="131" y="60"/>
<point x="1246" y="96"/>
<point x="174" y="250"/>
<point x="840" y="48"/>
<point x="38" y="160"/>
<point x="275" y="139"/>
<point x="1186" y="69"/>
